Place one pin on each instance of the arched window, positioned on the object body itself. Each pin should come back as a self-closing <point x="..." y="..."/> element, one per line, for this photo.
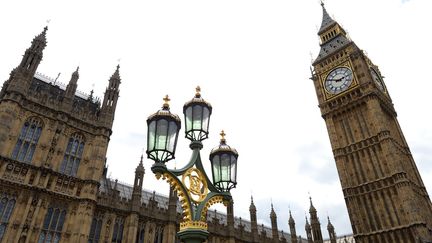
<point x="52" y="226"/>
<point x="159" y="235"/>
<point x="140" y="233"/>
<point x="118" y="231"/>
<point x="7" y="205"/>
<point x="95" y="229"/>
<point x="72" y="156"/>
<point x="27" y="140"/>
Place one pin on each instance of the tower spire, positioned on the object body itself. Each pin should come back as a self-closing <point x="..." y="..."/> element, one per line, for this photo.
<point x="253" y="219"/>
<point x="315" y="224"/>
<point x="138" y="186"/>
<point x="21" y="77"/>
<point x="273" y="219"/>
<point x="331" y="231"/>
<point x="326" y="19"/>
<point x="332" y="36"/>
<point x="72" y="86"/>
<point x="291" y="224"/>
<point x="110" y="97"/>
<point x="308" y="230"/>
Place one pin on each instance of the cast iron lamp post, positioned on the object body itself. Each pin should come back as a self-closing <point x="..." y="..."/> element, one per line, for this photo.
<point x="195" y="190"/>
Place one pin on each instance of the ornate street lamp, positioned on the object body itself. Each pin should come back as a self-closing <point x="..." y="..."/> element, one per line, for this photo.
<point x="195" y="190"/>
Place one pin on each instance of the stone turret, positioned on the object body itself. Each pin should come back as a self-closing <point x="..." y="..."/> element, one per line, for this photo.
<point x="331" y="231"/>
<point x="273" y="218"/>
<point x="253" y="219"/>
<point x="111" y="96"/>
<point x="21" y="77"/>
<point x="315" y="224"/>
<point x="291" y="224"/>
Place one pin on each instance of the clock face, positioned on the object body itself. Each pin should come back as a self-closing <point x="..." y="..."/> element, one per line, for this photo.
<point x="338" y="80"/>
<point x="377" y="79"/>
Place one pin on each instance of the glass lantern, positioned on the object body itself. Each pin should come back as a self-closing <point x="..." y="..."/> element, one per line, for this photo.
<point x="197" y="116"/>
<point x="223" y="161"/>
<point x="163" y="130"/>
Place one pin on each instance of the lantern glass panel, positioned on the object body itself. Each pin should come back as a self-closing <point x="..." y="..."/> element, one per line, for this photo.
<point x="216" y="169"/>
<point x="233" y="169"/>
<point x="161" y="134"/>
<point x="172" y="136"/>
<point x="206" y="117"/>
<point x="151" y="136"/>
<point x="188" y="119"/>
<point x="225" y="167"/>
<point x="197" y="118"/>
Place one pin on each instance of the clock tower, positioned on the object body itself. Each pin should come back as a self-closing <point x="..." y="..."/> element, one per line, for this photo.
<point x="384" y="193"/>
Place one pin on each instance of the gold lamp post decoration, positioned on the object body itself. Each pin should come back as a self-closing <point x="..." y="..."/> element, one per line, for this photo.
<point x="196" y="192"/>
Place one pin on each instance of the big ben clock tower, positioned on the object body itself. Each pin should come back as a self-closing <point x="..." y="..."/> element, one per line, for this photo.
<point x="384" y="193"/>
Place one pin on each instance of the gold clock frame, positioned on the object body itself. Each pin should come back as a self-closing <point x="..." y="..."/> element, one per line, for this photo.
<point x="323" y="77"/>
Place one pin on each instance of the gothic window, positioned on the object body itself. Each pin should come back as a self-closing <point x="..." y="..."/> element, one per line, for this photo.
<point x="7" y="205"/>
<point x="27" y="140"/>
<point x="52" y="225"/>
<point x="72" y="156"/>
<point x="140" y="234"/>
<point x="95" y="229"/>
<point x="159" y="235"/>
<point x="118" y="231"/>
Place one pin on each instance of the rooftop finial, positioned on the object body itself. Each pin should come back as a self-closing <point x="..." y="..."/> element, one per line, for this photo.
<point x="222" y="134"/>
<point x="198" y="91"/>
<point x="166" y="100"/>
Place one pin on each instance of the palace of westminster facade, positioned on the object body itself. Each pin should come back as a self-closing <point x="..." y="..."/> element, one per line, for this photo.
<point x="53" y="143"/>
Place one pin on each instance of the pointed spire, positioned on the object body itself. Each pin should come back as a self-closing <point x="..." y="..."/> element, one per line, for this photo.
<point x="140" y="167"/>
<point x="291" y="219"/>
<point x="252" y="207"/>
<point x="312" y="209"/>
<point x="329" y="225"/>
<point x="272" y="213"/>
<point x="76" y="73"/>
<point x="42" y="36"/>
<point x="307" y="225"/>
<point x="327" y="21"/>
<point x="116" y="74"/>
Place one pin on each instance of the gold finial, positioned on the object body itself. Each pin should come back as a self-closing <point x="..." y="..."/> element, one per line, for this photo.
<point x="222" y="134"/>
<point x="198" y="91"/>
<point x="166" y="100"/>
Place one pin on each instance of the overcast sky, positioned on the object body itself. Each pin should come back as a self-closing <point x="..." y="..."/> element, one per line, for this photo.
<point x="251" y="59"/>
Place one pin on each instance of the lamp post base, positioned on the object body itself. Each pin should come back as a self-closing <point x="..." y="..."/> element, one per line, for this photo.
<point x="193" y="235"/>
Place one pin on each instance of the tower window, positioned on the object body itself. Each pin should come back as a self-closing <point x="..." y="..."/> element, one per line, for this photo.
<point x="52" y="225"/>
<point x="95" y="229"/>
<point x="159" y="235"/>
<point x="7" y="205"/>
<point x="118" y="231"/>
<point x="72" y="156"/>
<point x="27" y="140"/>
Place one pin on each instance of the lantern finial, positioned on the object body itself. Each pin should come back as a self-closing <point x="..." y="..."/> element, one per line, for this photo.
<point x="198" y="91"/>
<point x="166" y="100"/>
<point x="222" y="134"/>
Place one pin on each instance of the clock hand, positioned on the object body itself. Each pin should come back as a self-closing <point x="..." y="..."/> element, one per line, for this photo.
<point x="337" y="80"/>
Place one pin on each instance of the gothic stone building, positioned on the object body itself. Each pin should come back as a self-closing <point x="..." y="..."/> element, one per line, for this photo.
<point x="53" y="184"/>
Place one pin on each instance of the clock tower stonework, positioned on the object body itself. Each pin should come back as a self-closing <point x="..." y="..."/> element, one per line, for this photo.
<point x="384" y="193"/>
